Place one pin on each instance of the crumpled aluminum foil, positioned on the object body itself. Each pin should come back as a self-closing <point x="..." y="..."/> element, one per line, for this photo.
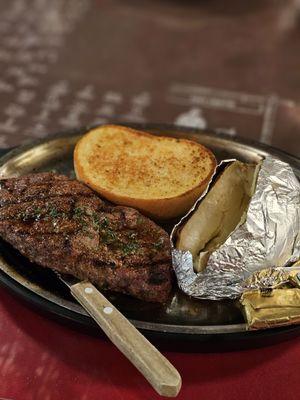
<point x="272" y="278"/>
<point x="269" y="238"/>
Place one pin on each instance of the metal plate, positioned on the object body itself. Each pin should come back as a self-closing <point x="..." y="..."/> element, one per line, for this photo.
<point x="182" y="316"/>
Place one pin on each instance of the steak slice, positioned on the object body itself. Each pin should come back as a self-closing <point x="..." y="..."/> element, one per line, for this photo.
<point x="61" y="224"/>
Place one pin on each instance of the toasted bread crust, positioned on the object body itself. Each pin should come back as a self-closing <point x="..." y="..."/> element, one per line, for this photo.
<point x="165" y="197"/>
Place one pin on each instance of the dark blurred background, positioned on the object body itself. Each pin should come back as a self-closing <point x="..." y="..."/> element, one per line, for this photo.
<point x="229" y="65"/>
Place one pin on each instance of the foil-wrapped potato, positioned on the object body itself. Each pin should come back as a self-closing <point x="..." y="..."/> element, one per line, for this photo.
<point x="247" y="220"/>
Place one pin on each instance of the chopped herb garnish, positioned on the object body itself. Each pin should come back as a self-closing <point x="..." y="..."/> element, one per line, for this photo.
<point x="24" y="215"/>
<point x="37" y="213"/>
<point x="158" y="245"/>
<point x="29" y="214"/>
<point x="99" y="223"/>
<point x="50" y="213"/>
<point x="129" y="248"/>
<point x="109" y="236"/>
<point x="95" y="220"/>
<point x="104" y="223"/>
<point x="79" y="212"/>
<point x="53" y="212"/>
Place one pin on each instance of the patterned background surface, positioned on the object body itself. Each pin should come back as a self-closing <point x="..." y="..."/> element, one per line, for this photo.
<point x="67" y="63"/>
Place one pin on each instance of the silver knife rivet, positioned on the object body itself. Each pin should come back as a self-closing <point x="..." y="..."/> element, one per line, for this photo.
<point x="88" y="290"/>
<point x="107" y="310"/>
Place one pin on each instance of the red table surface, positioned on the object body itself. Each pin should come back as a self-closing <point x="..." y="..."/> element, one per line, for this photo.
<point x="43" y="360"/>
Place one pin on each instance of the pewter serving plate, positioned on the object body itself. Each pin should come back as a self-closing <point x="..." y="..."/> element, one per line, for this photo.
<point x="182" y="317"/>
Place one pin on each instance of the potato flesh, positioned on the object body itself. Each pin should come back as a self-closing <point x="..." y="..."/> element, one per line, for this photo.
<point x="220" y="212"/>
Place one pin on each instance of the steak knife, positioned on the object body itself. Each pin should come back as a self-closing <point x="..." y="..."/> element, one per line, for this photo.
<point x="159" y="372"/>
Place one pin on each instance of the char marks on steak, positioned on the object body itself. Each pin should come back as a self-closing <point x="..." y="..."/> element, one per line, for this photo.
<point x="61" y="224"/>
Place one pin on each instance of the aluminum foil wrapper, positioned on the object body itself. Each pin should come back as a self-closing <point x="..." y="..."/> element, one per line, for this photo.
<point x="274" y="278"/>
<point x="269" y="238"/>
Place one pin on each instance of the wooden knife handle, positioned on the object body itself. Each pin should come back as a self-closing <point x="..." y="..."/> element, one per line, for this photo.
<point x="160" y="373"/>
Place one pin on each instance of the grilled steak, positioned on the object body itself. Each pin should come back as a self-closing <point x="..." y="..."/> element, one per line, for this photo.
<point x="61" y="224"/>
